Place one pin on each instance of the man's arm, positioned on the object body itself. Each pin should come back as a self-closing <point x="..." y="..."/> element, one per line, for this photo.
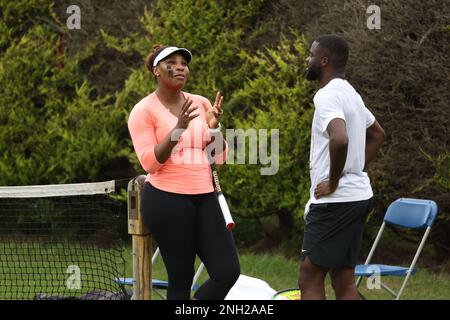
<point x="375" y="136"/>
<point x="338" y="154"/>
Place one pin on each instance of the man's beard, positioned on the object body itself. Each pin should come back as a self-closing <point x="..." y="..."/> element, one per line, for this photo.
<point x="312" y="74"/>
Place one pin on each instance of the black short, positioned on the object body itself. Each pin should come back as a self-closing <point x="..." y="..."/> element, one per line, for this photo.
<point x="333" y="233"/>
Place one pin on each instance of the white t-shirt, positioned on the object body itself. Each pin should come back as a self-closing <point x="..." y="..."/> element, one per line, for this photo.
<point x="338" y="99"/>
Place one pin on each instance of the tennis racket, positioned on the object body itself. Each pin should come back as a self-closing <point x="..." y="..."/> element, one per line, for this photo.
<point x="287" y="294"/>
<point x="220" y="197"/>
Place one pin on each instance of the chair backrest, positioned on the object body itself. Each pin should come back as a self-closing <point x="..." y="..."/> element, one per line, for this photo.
<point x="411" y="213"/>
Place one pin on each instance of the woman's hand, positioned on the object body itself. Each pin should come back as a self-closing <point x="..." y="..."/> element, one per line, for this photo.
<point x="213" y="115"/>
<point x="185" y="115"/>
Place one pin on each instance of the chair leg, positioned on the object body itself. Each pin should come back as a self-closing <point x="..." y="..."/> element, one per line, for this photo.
<point x="385" y="287"/>
<point x="413" y="263"/>
<point x="400" y="292"/>
<point x="361" y="295"/>
<point x="197" y="275"/>
<point x="159" y="294"/>
<point x="372" y="250"/>
<point x="358" y="281"/>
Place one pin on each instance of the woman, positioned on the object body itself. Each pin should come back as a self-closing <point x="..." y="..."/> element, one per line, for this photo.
<point x="172" y="131"/>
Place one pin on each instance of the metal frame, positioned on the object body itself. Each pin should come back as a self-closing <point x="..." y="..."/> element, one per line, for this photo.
<point x="398" y="294"/>
<point x="194" y="281"/>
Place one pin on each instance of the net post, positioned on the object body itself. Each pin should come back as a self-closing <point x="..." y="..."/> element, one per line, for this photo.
<point x="142" y="242"/>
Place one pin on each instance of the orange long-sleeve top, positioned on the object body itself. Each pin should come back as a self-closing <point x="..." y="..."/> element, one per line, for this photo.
<point x="187" y="170"/>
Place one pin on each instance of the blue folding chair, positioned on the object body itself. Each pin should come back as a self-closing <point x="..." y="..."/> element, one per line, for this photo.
<point x="405" y="213"/>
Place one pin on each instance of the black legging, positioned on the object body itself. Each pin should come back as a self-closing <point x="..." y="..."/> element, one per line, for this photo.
<point x="186" y="225"/>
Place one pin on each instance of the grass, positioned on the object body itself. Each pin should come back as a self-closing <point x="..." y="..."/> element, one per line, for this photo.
<point x="421" y="286"/>
<point x="281" y="273"/>
<point x="61" y="268"/>
<point x="278" y="271"/>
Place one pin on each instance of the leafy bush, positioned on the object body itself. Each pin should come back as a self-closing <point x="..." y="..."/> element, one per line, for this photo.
<point x="54" y="131"/>
<point x="17" y="17"/>
<point x="214" y="31"/>
<point x="218" y="34"/>
<point x="276" y="96"/>
<point x="64" y="101"/>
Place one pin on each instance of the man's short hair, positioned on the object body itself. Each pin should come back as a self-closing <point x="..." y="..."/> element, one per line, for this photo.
<point x="335" y="48"/>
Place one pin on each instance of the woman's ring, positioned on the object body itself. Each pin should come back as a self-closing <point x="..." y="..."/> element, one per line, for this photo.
<point x="186" y="114"/>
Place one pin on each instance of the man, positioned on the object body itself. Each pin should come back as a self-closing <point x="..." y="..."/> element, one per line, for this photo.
<point x="345" y="137"/>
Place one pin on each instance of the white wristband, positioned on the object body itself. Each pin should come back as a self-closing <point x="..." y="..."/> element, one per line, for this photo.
<point x="215" y="130"/>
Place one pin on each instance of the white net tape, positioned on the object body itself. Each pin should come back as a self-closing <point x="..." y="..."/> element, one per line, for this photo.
<point x="57" y="190"/>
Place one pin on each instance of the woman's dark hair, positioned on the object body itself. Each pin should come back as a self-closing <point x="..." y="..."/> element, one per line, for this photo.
<point x="157" y="48"/>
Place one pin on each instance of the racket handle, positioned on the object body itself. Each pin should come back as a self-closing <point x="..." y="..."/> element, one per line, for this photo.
<point x="226" y="212"/>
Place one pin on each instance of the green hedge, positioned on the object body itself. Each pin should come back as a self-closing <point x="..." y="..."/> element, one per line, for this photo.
<point x="53" y="129"/>
<point x="64" y="106"/>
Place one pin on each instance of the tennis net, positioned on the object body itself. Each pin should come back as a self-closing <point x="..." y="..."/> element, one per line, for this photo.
<point x="61" y="242"/>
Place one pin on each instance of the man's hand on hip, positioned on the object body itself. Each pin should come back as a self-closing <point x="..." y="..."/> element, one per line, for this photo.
<point x="324" y="189"/>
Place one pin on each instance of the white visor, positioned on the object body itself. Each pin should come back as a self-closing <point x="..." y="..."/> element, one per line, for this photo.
<point x="169" y="50"/>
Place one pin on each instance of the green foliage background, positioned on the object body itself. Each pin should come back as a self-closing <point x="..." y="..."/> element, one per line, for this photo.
<point x="66" y="94"/>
